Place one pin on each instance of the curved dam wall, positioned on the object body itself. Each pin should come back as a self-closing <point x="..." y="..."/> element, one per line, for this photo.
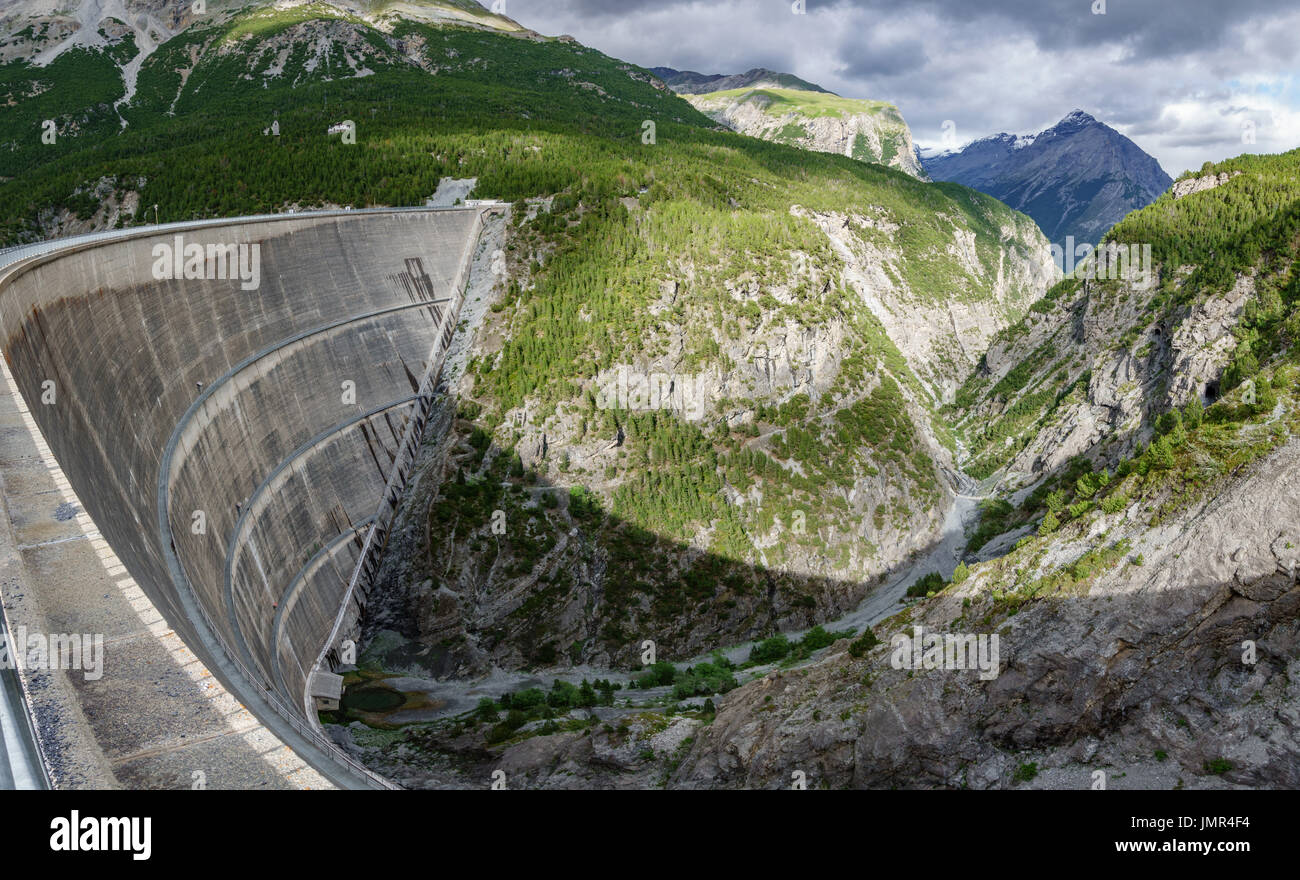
<point x="232" y="427"/>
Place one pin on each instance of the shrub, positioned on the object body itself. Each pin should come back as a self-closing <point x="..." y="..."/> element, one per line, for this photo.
<point x="486" y="710"/>
<point x="930" y="583"/>
<point x="816" y="639"/>
<point x="1218" y="766"/>
<point x="660" y="674"/>
<point x="770" y="649"/>
<point x="702" y="680"/>
<point x="1026" y="772"/>
<point x="1265" y="397"/>
<point x="1167" y="422"/>
<point x="863" y="643"/>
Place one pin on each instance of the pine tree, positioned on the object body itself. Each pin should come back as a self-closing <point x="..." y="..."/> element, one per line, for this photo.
<point x="1049" y="524"/>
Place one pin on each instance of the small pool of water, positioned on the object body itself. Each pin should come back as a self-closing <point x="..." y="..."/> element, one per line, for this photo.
<point x="369" y="698"/>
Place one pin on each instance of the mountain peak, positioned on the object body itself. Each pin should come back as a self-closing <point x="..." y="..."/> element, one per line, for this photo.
<point x="1077" y="118"/>
<point x="1071" y="185"/>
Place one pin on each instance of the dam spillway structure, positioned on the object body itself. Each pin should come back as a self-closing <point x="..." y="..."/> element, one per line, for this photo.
<point x="234" y="404"/>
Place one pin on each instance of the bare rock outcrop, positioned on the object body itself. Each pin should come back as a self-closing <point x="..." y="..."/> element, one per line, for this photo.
<point x="1191" y="656"/>
<point x="1200" y="184"/>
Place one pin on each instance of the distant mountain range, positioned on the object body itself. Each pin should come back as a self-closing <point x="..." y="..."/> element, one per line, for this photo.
<point x="1077" y="178"/>
<point x="688" y="82"/>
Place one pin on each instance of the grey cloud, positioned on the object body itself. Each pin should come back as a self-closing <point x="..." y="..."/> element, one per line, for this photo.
<point x="990" y="65"/>
<point x="864" y="58"/>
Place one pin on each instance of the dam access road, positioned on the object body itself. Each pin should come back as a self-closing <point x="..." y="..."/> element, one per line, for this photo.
<point x="198" y="469"/>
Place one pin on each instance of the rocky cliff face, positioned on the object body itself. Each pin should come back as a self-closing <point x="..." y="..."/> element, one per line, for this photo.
<point x="881" y="510"/>
<point x="39" y="32"/>
<point x="871" y="131"/>
<point x="1189" y="185"/>
<point x="1089" y="374"/>
<point x="1076" y="179"/>
<point x="1135" y="621"/>
<point x="944" y="336"/>
<point x="1147" y="632"/>
<point x="783" y="387"/>
<point x="1146" y="675"/>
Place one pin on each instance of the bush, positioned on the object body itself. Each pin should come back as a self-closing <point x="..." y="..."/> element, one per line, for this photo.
<point x="661" y="674"/>
<point x="529" y="698"/>
<point x="583" y="503"/>
<point x="1265" y="397"/>
<point x="1026" y="772"/>
<point x="1218" y="766"/>
<point x="702" y="680"/>
<point x="816" y="639"/>
<point x="862" y="644"/>
<point x="930" y="583"/>
<point x="960" y="573"/>
<point x="770" y="649"/>
<point x="499" y="733"/>
<point x="1056" y="500"/>
<point x="1114" y="502"/>
<point x="1167" y="422"/>
<point x="1161" y="454"/>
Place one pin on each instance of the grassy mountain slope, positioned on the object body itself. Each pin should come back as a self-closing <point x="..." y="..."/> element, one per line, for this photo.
<point x="870" y="131"/>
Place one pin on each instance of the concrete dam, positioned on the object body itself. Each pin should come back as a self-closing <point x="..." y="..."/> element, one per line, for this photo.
<point x="233" y="403"/>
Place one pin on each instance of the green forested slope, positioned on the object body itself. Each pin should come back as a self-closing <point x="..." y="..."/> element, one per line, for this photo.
<point x="705" y="210"/>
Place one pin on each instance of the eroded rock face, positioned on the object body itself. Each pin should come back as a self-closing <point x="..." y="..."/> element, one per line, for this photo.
<point x="1201" y="346"/>
<point x="942" y="337"/>
<point x="487" y="610"/>
<point x="1201" y="184"/>
<point x="1149" y="660"/>
<point x="1115" y="364"/>
<point x="485" y="604"/>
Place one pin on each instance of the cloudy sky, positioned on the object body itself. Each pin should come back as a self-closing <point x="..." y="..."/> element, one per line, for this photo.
<point x="1188" y="80"/>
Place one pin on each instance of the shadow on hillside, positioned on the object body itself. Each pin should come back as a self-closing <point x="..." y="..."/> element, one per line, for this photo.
<point x="564" y="582"/>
